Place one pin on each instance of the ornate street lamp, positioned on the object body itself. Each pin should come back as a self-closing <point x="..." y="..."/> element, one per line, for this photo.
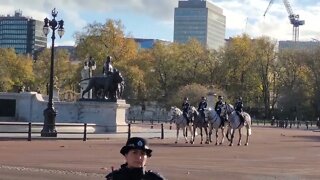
<point x="50" y="113"/>
<point x="90" y="65"/>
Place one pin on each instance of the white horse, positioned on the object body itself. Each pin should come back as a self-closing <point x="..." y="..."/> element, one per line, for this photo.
<point x="181" y="122"/>
<point x="198" y="122"/>
<point x="215" y="123"/>
<point x="235" y="123"/>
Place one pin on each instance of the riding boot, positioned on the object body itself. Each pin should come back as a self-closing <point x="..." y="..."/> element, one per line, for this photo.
<point x="242" y="119"/>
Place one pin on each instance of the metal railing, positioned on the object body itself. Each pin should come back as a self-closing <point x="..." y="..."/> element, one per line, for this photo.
<point x="29" y="129"/>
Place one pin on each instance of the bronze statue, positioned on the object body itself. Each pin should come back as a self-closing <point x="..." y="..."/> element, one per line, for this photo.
<point x="107" y="84"/>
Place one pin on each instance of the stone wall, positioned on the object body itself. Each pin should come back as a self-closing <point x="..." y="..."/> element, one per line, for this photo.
<point x="109" y="116"/>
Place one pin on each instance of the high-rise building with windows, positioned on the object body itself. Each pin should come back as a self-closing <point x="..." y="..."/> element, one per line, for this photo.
<point x="24" y="34"/>
<point x="202" y="20"/>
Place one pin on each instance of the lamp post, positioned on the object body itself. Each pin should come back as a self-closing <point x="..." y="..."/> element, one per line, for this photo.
<point x="50" y="113"/>
<point x="90" y="65"/>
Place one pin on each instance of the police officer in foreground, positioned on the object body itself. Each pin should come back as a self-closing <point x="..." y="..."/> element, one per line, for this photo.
<point x="136" y="151"/>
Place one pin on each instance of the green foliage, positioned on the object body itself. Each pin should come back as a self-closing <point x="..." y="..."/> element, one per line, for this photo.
<point x="193" y="91"/>
<point x="16" y="71"/>
<point x="65" y="73"/>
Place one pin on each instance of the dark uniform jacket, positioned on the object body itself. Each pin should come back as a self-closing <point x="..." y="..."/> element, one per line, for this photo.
<point x="218" y="107"/>
<point x="202" y="105"/>
<point x="185" y="106"/>
<point x="125" y="173"/>
<point x="239" y="106"/>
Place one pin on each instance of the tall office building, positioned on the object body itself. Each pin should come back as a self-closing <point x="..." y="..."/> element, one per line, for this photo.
<point x="24" y="34"/>
<point x="202" y="20"/>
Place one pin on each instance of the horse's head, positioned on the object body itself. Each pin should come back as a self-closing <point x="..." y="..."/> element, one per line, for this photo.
<point x="117" y="77"/>
<point x="226" y="109"/>
<point x="207" y="112"/>
<point x="174" y="111"/>
<point x="192" y="110"/>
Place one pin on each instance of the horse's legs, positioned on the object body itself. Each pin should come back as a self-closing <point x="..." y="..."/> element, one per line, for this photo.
<point x="177" y="135"/>
<point x="222" y="133"/>
<point x="210" y="134"/>
<point x="248" y="134"/>
<point x="185" y="134"/>
<point x="194" y="135"/>
<point x="240" y="136"/>
<point x="191" y="129"/>
<point x="217" y="136"/>
<point x="207" y="135"/>
<point x="232" y="136"/>
<point x="228" y="133"/>
<point x="201" y="135"/>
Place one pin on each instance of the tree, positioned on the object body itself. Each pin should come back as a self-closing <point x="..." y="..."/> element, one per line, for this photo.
<point x="236" y="68"/>
<point x="17" y="72"/>
<point x="64" y="71"/>
<point x="193" y="91"/>
<point x="312" y="62"/>
<point x="293" y="77"/>
<point x="265" y="56"/>
<point x="101" y="40"/>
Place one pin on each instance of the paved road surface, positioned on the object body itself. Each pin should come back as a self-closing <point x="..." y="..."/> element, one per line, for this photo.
<point x="273" y="153"/>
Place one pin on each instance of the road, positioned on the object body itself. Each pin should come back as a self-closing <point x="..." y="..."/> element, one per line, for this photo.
<point x="273" y="153"/>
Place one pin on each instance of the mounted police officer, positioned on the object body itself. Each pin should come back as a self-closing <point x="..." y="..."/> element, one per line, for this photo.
<point x="202" y="105"/>
<point x="218" y="107"/>
<point x="107" y="67"/>
<point x="239" y="109"/>
<point x="136" y="151"/>
<point x="185" y="109"/>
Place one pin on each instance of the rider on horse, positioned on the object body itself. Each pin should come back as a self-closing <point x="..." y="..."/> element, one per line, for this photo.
<point x="218" y="107"/>
<point x="239" y="109"/>
<point x="202" y="105"/>
<point x="185" y="109"/>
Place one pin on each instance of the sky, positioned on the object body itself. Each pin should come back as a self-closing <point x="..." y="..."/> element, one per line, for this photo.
<point x="154" y="19"/>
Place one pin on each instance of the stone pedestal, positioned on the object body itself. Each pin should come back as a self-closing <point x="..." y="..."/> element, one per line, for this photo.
<point x="110" y="116"/>
<point x="107" y="116"/>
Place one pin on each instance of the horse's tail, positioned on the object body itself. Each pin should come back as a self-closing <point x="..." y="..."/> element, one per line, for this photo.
<point x="248" y="123"/>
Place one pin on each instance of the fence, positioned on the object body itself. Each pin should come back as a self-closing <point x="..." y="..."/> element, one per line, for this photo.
<point x="152" y="124"/>
<point x="29" y="129"/>
<point x="287" y="123"/>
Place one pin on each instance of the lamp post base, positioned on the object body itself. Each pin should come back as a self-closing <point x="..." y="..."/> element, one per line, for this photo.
<point x="48" y="134"/>
<point x="49" y="129"/>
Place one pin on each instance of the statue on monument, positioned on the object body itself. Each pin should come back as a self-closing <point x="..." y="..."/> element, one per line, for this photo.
<point x="109" y="86"/>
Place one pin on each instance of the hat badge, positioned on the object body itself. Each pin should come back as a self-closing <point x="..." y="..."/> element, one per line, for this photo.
<point x="140" y="143"/>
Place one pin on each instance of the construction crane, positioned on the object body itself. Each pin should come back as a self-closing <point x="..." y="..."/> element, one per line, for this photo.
<point x="294" y="19"/>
